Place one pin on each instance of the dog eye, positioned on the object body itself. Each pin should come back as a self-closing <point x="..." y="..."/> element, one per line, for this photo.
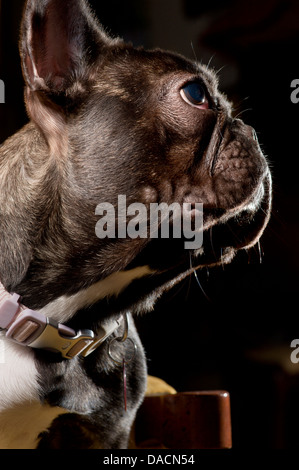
<point x="194" y="94"/>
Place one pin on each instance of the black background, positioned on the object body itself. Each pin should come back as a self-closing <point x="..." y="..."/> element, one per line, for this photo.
<point x="233" y="332"/>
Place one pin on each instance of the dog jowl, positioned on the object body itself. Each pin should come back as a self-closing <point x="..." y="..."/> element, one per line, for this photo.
<point x="108" y="119"/>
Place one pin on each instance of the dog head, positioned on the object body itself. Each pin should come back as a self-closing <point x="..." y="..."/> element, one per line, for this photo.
<point x="109" y="119"/>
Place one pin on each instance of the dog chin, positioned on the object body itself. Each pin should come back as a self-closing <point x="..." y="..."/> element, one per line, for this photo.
<point x="238" y="230"/>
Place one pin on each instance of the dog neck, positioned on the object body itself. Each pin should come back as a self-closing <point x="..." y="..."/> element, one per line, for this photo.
<point x="32" y="329"/>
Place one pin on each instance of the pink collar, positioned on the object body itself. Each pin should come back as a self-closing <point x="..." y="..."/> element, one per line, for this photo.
<point x="31" y="328"/>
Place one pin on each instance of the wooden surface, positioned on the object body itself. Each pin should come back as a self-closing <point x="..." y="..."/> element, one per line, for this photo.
<point x="188" y="420"/>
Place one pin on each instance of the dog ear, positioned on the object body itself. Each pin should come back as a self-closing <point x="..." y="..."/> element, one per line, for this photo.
<point x="61" y="42"/>
<point x="60" y="39"/>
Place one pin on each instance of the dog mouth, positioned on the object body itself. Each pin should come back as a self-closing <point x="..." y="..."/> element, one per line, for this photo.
<point x="222" y="233"/>
<point x="236" y="230"/>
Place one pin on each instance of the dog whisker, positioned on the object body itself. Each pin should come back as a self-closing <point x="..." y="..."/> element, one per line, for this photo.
<point x="201" y="288"/>
<point x="220" y="69"/>
<point x="194" y="53"/>
<point x="198" y="281"/>
<point x="242" y="112"/>
<point x="261" y="253"/>
<point x="212" y="244"/>
<point x="210" y="61"/>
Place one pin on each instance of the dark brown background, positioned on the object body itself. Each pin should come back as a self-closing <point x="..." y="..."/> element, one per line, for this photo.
<point x="192" y="342"/>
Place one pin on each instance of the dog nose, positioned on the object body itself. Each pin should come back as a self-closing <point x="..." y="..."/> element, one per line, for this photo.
<point x="251" y="133"/>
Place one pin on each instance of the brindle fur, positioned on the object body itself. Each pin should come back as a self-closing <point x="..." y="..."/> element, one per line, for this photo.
<point x="107" y="119"/>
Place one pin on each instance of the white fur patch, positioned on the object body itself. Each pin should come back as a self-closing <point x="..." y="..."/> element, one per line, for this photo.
<point x="2" y="352"/>
<point x="63" y="308"/>
<point x="18" y="375"/>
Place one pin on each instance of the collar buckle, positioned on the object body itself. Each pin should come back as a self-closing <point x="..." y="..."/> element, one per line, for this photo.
<point x="33" y="329"/>
<point x="104" y="332"/>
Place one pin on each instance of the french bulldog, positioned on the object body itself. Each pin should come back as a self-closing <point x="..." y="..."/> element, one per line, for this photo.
<point x="106" y="119"/>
